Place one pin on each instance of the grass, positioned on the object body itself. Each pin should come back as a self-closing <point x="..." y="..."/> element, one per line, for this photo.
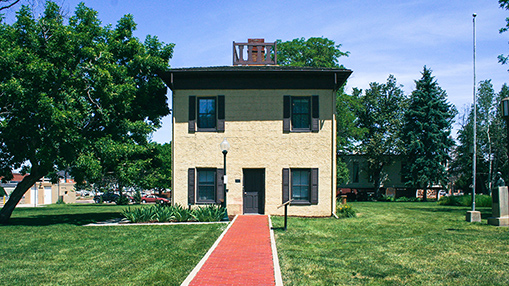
<point x="394" y="244"/>
<point x="50" y="246"/>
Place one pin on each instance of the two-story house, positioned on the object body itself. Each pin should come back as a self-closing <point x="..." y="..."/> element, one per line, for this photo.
<point x="279" y="121"/>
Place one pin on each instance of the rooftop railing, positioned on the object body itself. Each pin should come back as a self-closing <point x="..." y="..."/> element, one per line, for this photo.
<point x="254" y="52"/>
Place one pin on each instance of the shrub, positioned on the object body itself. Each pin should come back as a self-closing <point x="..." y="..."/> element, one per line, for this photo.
<point x="483" y="201"/>
<point x="384" y="198"/>
<point x="405" y="199"/>
<point x="209" y="213"/>
<point x="137" y="197"/>
<point x="447" y="201"/>
<point x="122" y="200"/>
<point x="345" y="211"/>
<point x="163" y="213"/>
<point x="181" y="214"/>
<point x="177" y="213"/>
<point x="466" y="200"/>
<point x="143" y="214"/>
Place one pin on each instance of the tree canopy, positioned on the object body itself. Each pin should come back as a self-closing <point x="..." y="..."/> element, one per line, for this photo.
<point x="381" y="119"/>
<point x="491" y="138"/>
<point x="66" y="87"/>
<point x="313" y="52"/>
<point x="505" y="5"/>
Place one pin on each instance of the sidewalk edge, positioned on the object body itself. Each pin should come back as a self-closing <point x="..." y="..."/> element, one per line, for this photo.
<point x="277" y="270"/>
<point x="197" y="268"/>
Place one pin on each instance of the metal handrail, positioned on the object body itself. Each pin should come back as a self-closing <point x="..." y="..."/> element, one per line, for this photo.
<point x="286" y="204"/>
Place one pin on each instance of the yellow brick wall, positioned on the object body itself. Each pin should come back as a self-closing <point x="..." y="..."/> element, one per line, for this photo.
<point x="254" y="129"/>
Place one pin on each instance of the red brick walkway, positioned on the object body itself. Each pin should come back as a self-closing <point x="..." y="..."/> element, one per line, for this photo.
<point x="243" y="257"/>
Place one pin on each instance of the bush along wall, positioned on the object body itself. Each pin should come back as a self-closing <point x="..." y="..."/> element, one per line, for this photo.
<point x="176" y="213"/>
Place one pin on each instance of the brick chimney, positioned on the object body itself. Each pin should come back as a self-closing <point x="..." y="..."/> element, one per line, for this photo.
<point x="254" y="49"/>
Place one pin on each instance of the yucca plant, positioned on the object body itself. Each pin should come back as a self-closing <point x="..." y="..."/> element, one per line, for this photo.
<point x="208" y="213"/>
<point x="164" y="213"/>
<point x="143" y="214"/>
<point x="181" y="214"/>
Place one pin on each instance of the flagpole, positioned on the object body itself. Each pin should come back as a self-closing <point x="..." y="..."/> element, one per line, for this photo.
<point x="474" y="162"/>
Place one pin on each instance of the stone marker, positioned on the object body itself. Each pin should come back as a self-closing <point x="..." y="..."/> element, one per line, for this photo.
<point x="473" y="216"/>
<point x="500" y="207"/>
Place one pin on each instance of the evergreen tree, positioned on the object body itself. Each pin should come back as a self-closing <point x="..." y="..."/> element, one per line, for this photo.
<point x="426" y="134"/>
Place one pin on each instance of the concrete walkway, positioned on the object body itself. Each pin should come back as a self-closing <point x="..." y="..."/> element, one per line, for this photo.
<point x="242" y="255"/>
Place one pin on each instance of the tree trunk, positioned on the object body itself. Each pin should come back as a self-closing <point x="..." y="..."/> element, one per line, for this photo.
<point x="377" y="181"/>
<point x="17" y="195"/>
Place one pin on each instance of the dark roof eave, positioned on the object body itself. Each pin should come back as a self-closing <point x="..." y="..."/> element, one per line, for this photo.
<point x="255" y="77"/>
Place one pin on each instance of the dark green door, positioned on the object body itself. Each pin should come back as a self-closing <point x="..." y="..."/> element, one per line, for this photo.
<point x="254" y="191"/>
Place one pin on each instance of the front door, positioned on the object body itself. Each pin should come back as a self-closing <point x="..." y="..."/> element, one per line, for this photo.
<point x="254" y="191"/>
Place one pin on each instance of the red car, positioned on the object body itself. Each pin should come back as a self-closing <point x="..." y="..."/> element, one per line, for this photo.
<point x="154" y="199"/>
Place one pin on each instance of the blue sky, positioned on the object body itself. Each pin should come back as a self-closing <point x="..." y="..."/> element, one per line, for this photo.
<point x="383" y="37"/>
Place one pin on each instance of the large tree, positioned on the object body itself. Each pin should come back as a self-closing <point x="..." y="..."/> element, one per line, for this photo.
<point x="119" y="165"/>
<point x="381" y="119"/>
<point x="503" y="59"/>
<point x="426" y="134"/>
<point x="491" y="142"/>
<point x="313" y="52"/>
<point x="322" y="52"/>
<point x="6" y="4"/>
<point x="65" y="87"/>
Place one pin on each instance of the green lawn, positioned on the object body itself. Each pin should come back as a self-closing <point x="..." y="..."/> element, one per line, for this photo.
<point x="394" y="244"/>
<point x="50" y="246"/>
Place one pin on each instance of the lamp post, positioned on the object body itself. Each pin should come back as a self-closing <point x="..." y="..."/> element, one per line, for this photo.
<point x="225" y="146"/>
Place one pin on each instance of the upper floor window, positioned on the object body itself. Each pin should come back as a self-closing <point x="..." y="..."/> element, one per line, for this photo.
<point x="301" y="113"/>
<point x="206" y="113"/>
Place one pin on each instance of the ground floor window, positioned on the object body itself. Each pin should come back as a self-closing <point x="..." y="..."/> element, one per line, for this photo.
<point x="301" y="184"/>
<point x="206" y="187"/>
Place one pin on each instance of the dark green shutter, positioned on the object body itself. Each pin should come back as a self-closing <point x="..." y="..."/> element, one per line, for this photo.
<point x="220" y="113"/>
<point x="191" y="190"/>
<point x="315" y="115"/>
<point x="192" y="114"/>
<point x="286" y="113"/>
<point x="286" y="185"/>
<point x="219" y="186"/>
<point x="314" y="186"/>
